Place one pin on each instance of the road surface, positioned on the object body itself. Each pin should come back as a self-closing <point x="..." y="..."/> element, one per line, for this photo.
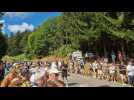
<point x="87" y="81"/>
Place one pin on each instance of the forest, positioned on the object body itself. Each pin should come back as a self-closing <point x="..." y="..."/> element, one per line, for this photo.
<point x="98" y="32"/>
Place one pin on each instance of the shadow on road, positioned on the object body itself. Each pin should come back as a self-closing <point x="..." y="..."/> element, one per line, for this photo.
<point x="104" y="86"/>
<point x="70" y="84"/>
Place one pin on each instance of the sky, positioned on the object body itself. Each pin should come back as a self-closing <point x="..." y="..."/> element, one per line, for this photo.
<point x="21" y="21"/>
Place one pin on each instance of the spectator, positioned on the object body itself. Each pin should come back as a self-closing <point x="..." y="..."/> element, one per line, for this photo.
<point x="122" y="70"/>
<point x="105" y="70"/>
<point x="59" y="65"/>
<point x="53" y="74"/>
<point x="71" y="64"/>
<point x="25" y="75"/>
<point x="94" y="67"/>
<point x="81" y="65"/>
<point x="113" y="57"/>
<point x="53" y="79"/>
<point x="54" y="65"/>
<point x="16" y="82"/>
<point x="25" y="82"/>
<point x="130" y="73"/>
<point x="33" y="68"/>
<point x="37" y="79"/>
<point x="120" y="56"/>
<point x="64" y="72"/>
<point x="7" y="80"/>
<point x="112" y="72"/>
<point x="6" y="71"/>
<point x="99" y="71"/>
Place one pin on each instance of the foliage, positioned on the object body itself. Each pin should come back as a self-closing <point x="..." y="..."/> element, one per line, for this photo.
<point x="3" y="41"/>
<point x="64" y="50"/>
<point x="100" y="32"/>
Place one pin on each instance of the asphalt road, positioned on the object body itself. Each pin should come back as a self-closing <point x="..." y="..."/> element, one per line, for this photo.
<point x="75" y="80"/>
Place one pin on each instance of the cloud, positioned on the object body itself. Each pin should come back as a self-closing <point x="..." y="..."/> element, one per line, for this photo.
<point x="2" y="21"/>
<point x="18" y="14"/>
<point x="20" y="28"/>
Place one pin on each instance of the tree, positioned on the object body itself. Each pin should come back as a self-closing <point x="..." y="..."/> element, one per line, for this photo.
<point x="121" y="26"/>
<point x="47" y="37"/>
<point x="99" y="32"/>
<point x="3" y="42"/>
<point x="17" y="43"/>
<point x="81" y="28"/>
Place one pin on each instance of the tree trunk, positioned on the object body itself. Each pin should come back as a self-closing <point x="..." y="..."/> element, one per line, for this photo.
<point x="123" y="50"/>
<point x="103" y="37"/>
<point x="105" y="50"/>
<point x="97" y="49"/>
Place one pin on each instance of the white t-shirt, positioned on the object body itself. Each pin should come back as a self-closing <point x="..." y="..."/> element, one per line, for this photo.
<point x="130" y="70"/>
<point x="95" y="65"/>
<point x="32" y="78"/>
<point x="54" y="65"/>
<point x="36" y="76"/>
<point x="112" y="69"/>
<point x="106" y="60"/>
<point x="59" y="64"/>
<point x="86" y="55"/>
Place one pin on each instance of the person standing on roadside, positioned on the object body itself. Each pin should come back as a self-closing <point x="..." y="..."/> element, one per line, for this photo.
<point x="113" y="57"/>
<point x="130" y="73"/>
<point x="64" y="69"/>
<point x="120" y="56"/>
<point x="122" y="70"/>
